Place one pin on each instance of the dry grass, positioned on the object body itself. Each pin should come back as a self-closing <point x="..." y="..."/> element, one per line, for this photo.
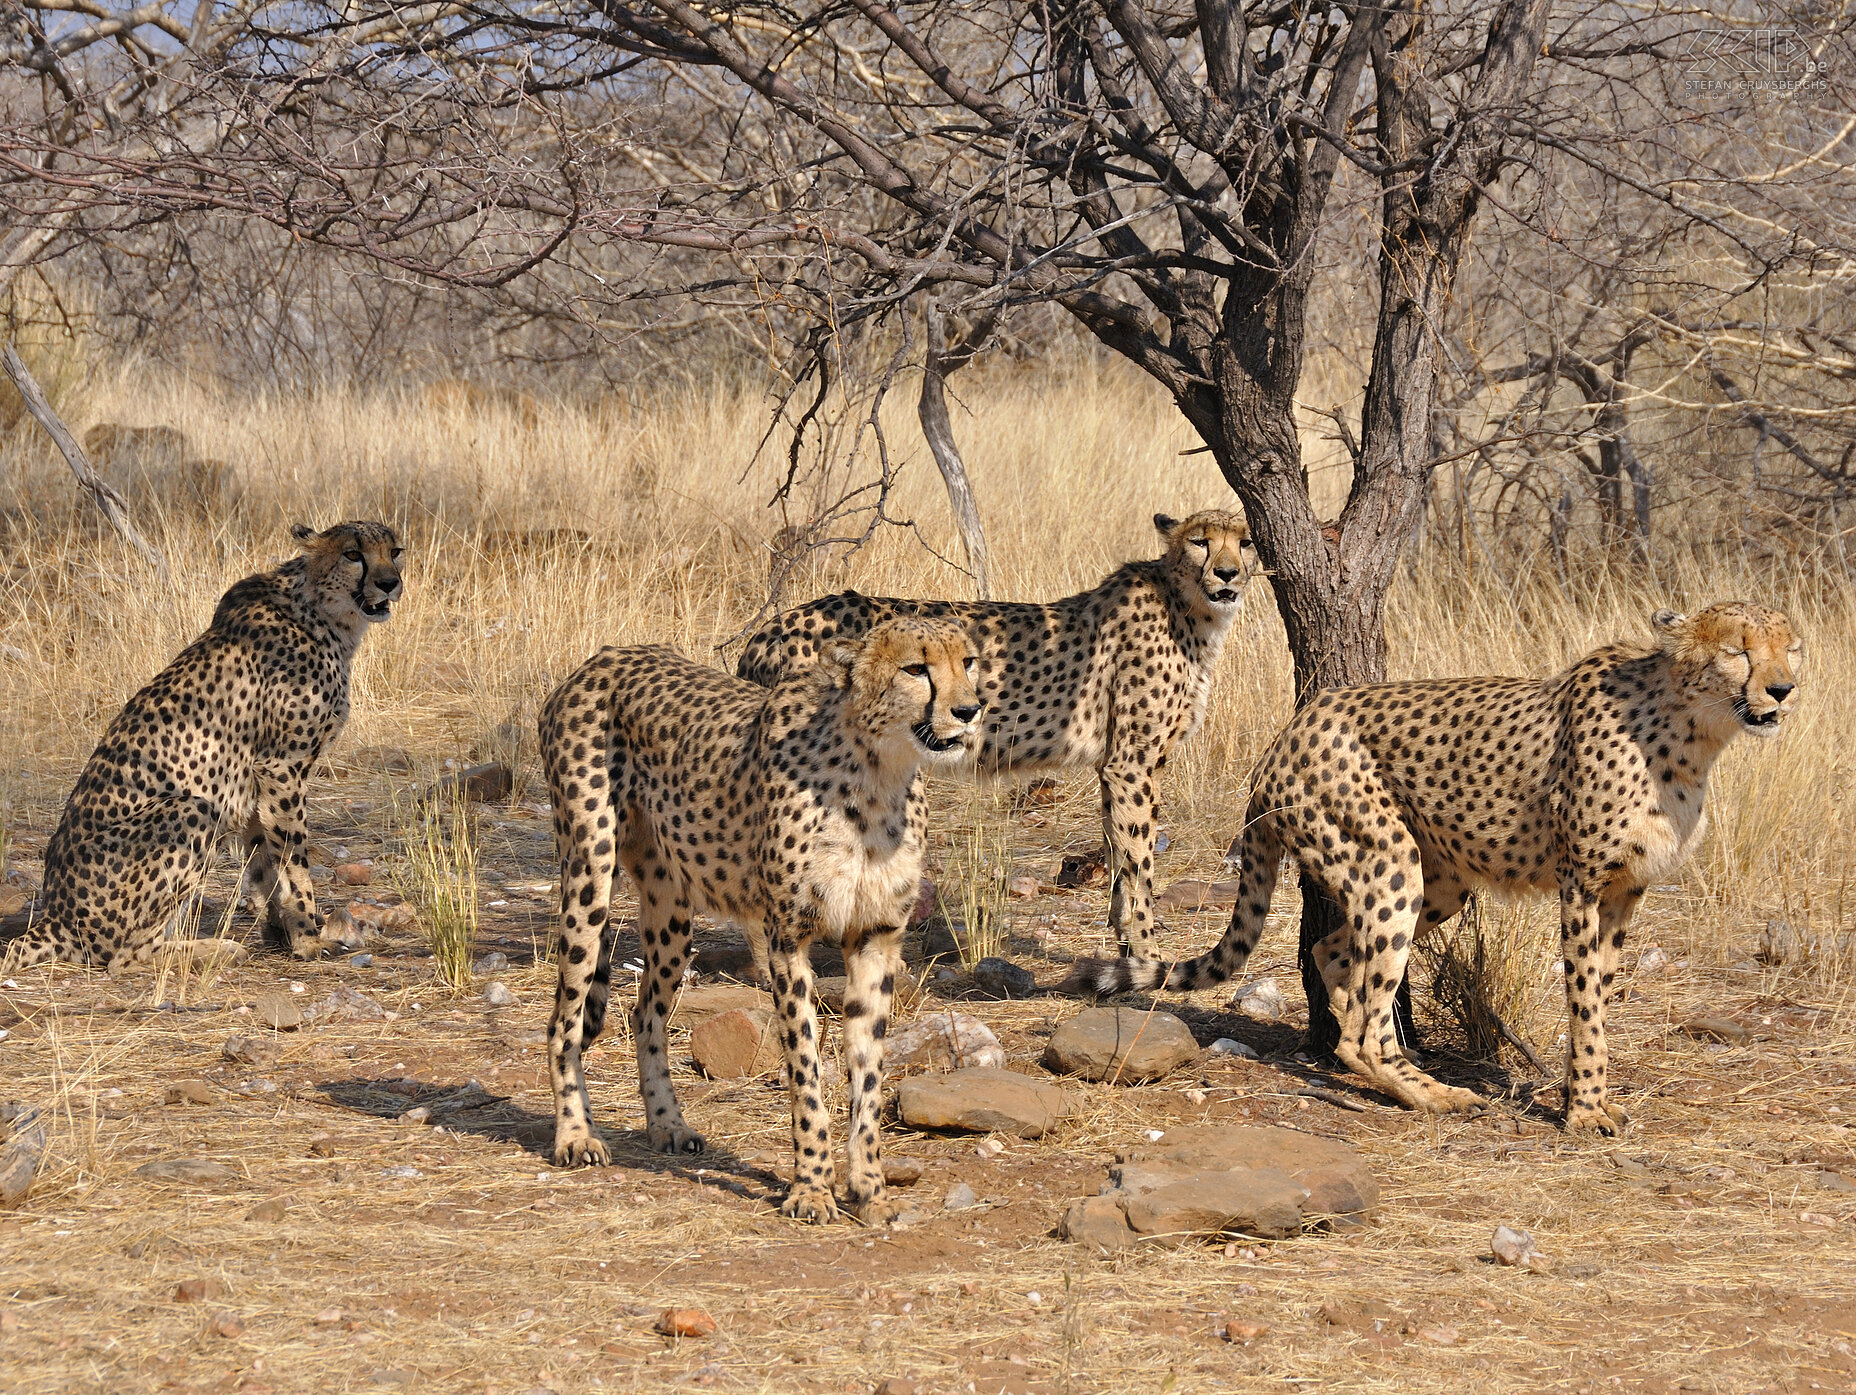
<point x="1685" y="1257"/>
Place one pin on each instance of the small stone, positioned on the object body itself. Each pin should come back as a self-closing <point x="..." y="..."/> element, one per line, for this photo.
<point x="24" y="1151"/>
<point x="686" y="1322"/>
<point x="1097" y="1221"/>
<point x="1041" y="793"/>
<point x="352" y="874"/>
<point x="279" y="1011"/>
<point x="225" y="1325"/>
<point x="983" y="1099"/>
<point x="1337" y="1179"/>
<point x="389" y="1375"/>
<point x="1230" y="1046"/>
<point x="1653" y="960"/>
<point x="1083" y="869"/>
<point x="347" y="1004"/>
<point x="404" y="1172"/>
<point x="186" y="1170"/>
<point x="328" y="1317"/>
<point x="1723" y="1029"/>
<point x="926" y="899"/>
<point x="1440" y="1335"/>
<point x="362" y="961"/>
<point x="341" y="929"/>
<point x="735" y="1043"/>
<point x="1244" y="1331"/>
<point x="417" y="1115"/>
<point x="270" y="1211"/>
<point x="1513" y="1247"/>
<point x="1817" y="1218"/>
<point x="497" y="995"/>
<point x="1024" y="888"/>
<point x="1124" y="1045"/>
<point x="943" y="1041"/>
<point x="188" y="1092"/>
<point x="1003" y="977"/>
<point x="1252" y="1201"/>
<point x="492" y="963"/>
<point x="489" y="783"/>
<point x="198" y="1290"/>
<point x="960" y="1197"/>
<point x="695" y="1004"/>
<point x="902" y="1172"/>
<point x="1834" y="1182"/>
<point x="1262" y="999"/>
<point x="9" y="1322"/>
<point x="322" y="1146"/>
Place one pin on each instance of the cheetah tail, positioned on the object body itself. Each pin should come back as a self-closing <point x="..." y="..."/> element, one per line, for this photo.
<point x="25" y="942"/>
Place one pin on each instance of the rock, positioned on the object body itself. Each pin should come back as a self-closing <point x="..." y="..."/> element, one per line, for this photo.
<point x="1003" y="977"/>
<point x="685" y="1322"/>
<point x="1337" y="1178"/>
<point x="1250" y="1201"/>
<point x="1023" y="887"/>
<point x="1097" y="1221"/>
<point x="1123" y="1045"/>
<point x="1262" y="999"/>
<point x="226" y="1325"/>
<point x="1244" y="1331"/>
<point x="362" y="961"/>
<point x="249" y="1051"/>
<point x="23" y="1153"/>
<point x="1653" y="960"/>
<point x="352" y="874"/>
<point x="1834" y="1182"/>
<point x="983" y="1099"/>
<point x="198" y="1290"/>
<point x="497" y="995"/>
<point x="269" y="1211"/>
<point x="322" y="1146"/>
<point x="278" y="1010"/>
<point x="419" y="1114"/>
<point x="1083" y="869"/>
<point x="695" y="1004"/>
<point x="1230" y="1046"/>
<point x="1716" y="1029"/>
<point x="1041" y="793"/>
<point x="943" y="1041"/>
<point x="341" y="929"/>
<point x="347" y="1004"/>
<point x="1192" y="896"/>
<point x="938" y="941"/>
<point x="328" y="1317"/>
<point x="188" y="1092"/>
<point x="735" y="1043"/>
<point x="902" y="1172"/>
<point x="492" y="963"/>
<point x="481" y="784"/>
<point x="1440" y="1335"/>
<point x="186" y="1170"/>
<point x="926" y="899"/>
<point x="1515" y="1248"/>
<point x="960" y="1197"/>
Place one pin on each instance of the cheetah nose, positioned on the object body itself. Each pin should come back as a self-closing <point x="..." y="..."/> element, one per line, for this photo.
<point x="1225" y="573"/>
<point x="389" y="586"/>
<point x="1778" y="692"/>
<point x="966" y="712"/>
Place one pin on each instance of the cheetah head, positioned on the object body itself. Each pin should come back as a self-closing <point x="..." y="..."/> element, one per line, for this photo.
<point x="1209" y="556"/>
<point x="353" y="567"/>
<point x="912" y="680"/>
<point x="1743" y="656"/>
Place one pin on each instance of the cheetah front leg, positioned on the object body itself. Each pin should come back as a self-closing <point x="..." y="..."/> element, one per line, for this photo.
<point x="790" y="963"/>
<point x="282" y="837"/>
<point x="870" y="967"/>
<point x="1128" y="812"/>
<point x="1591" y="934"/>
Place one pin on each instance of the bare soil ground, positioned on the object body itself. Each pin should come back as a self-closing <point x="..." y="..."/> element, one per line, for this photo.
<point x="1708" y="1250"/>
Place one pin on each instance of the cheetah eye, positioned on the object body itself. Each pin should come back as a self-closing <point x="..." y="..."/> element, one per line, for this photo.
<point x="395" y="554"/>
<point x="1244" y="543"/>
<point x="968" y="664"/>
<point x="352" y="556"/>
<point x="1205" y="543"/>
<point x="916" y="670"/>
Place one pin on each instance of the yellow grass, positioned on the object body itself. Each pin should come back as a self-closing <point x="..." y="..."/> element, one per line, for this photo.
<point x="478" y="1275"/>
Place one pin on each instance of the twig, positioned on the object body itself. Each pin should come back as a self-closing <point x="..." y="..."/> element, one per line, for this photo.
<point x="99" y="489"/>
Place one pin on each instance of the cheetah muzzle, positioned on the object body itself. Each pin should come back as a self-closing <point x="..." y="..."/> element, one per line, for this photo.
<point x="1401" y="798"/>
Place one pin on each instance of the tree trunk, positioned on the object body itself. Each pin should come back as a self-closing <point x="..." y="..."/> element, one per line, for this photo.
<point x="937" y="366"/>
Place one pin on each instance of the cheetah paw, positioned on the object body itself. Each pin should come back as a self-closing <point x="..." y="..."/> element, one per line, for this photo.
<point x="878" y="1211"/>
<point x="675" y="1138"/>
<point x="1449" y="1099"/>
<point x="584" y="1151"/>
<point x="1605" y="1120"/>
<point x="810" y="1202"/>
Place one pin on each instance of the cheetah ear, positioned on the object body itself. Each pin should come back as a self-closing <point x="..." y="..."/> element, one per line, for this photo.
<point x="1670" y="624"/>
<point x="843" y="653"/>
<point x="1165" y="524"/>
<point x="303" y="533"/>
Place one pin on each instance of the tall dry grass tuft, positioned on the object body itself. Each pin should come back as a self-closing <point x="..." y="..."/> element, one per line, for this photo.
<point x="972" y="886"/>
<point x="537" y="535"/>
<point x="436" y="872"/>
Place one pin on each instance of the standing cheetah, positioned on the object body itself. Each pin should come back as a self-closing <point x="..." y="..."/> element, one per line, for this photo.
<point x="221" y="740"/>
<point x="1114" y="679"/>
<point x="798" y="812"/>
<point x="1400" y="798"/>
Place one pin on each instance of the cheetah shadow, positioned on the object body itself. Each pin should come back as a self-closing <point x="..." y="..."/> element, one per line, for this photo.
<point x="470" y="1110"/>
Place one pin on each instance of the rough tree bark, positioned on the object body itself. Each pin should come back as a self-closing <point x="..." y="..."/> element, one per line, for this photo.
<point x="940" y="362"/>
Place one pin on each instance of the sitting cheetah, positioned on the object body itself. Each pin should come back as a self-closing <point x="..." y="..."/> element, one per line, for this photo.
<point x="1114" y="678"/>
<point x="1401" y="797"/>
<point x="797" y="811"/>
<point x="220" y="741"/>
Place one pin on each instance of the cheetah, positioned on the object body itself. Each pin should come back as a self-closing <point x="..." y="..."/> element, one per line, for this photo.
<point x="220" y="741"/>
<point x="1113" y="679"/>
<point x="1400" y="798"/>
<point x="798" y="811"/>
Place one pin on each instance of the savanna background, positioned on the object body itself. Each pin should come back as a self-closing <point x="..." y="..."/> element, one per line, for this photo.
<point x="1642" y="400"/>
